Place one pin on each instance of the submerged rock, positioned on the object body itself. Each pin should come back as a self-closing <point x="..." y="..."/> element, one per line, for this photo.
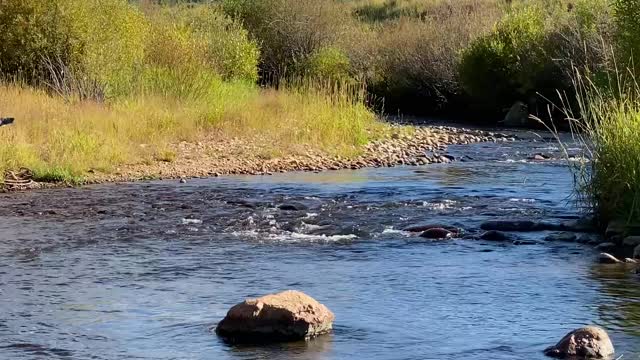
<point x="615" y="228"/>
<point x="605" y="258"/>
<point x="606" y="246"/>
<point x="425" y="227"/>
<point x="506" y="225"/>
<point x="437" y="233"/>
<point x="286" y="316"/>
<point x="589" y="342"/>
<point x="293" y="206"/>
<point x="580" y="225"/>
<point x="495" y="235"/>
<point x="631" y="241"/>
<point x="563" y="236"/>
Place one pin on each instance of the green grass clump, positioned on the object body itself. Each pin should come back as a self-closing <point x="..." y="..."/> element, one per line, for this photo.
<point x="610" y="132"/>
<point x="104" y="40"/>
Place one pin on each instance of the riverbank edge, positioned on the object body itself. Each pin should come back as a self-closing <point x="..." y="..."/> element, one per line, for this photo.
<point x="214" y="156"/>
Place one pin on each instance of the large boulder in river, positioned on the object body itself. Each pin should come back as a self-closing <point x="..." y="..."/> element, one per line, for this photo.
<point x="636" y="252"/>
<point x="590" y="342"/>
<point x="517" y="116"/>
<point x="286" y="316"/>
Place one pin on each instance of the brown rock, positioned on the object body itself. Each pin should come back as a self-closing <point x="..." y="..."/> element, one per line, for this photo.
<point x="437" y="233"/>
<point x="591" y="342"/>
<point x="286" y="316"/>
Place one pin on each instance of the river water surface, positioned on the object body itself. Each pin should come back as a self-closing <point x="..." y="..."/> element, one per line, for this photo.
<point x="143" y="271"/>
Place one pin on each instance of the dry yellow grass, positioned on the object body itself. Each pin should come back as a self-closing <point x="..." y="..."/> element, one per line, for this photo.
<point x="62" y="141"/>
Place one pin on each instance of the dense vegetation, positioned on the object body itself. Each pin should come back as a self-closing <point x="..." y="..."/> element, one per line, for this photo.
<point x="92" y="80"/>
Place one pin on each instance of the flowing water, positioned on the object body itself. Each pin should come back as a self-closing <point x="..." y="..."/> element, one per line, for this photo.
<point x="143" y="271"/>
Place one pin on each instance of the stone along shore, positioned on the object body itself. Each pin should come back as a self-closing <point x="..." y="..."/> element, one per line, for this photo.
<point x="216" y="157"/>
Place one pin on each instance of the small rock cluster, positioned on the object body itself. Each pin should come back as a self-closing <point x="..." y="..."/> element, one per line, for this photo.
<point x="217" y="157"/>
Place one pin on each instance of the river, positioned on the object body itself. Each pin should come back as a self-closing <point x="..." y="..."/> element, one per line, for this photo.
<point x="144" y="270"/>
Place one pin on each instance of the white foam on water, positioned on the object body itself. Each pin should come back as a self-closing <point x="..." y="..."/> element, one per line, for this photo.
<point x="522" y="200"/>
<point x="293" y="237"/>
<point x="391" y="230"/>
<point x="191" y="221"/>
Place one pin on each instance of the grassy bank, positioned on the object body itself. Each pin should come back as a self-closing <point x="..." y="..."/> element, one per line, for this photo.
<point x="63" y="141"/>
<point x="174" y="74"/>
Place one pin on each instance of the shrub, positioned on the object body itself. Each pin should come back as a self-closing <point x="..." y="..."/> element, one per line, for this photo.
<point x="417" y="59"/>
<point x="202" y="37"/>
<point x="627" y="16"/>
<point x="104" y="40"/>
<point x="532" y="51"/>
<point x="289" y="31"/>
<point x="329" y="64"/>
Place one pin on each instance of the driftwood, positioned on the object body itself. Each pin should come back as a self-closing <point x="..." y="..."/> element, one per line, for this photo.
<point x="20" y="180"/>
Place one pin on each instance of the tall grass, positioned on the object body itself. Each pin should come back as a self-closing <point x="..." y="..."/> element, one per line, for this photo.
<point x="609" y="130"/>
<point x="63" y="141"/>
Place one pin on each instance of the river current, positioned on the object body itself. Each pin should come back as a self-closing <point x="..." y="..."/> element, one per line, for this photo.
<point x="144" y="270"/>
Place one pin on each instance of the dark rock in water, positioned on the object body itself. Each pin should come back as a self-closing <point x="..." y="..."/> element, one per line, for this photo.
<point x="631" y="241"/>
<point x="421" y="228"/>
<point x="605" y="258"/>
<point x="495" y="235"/>
<point x="504" y="225"/>
<point x="437" y="233"/>
<point x="580" y="225"/>
<point x="615" y="228"/>
<point x="636" y="252"/>
<point x="242" y="203"/>
<point x="286" y="316"/>
<point x="294" y="206"/>
<point x="563" y="237"/>
<point x="517" y="116"/>
<point x="590" y="342"/>
<point x="525" y="242"/>
<point x="606" y="246"/>
<point x="587" y="239"/>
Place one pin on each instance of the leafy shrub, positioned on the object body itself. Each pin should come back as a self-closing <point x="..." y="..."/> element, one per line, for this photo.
<point x="202" y="37"/>
<point x="330" y="64"/>
<point x="289" y="31"/>
<point x="416" y="67"/>
<point x="102" y="39"/>
<point x="532" y="51"/>
<point x="627" y="16"/>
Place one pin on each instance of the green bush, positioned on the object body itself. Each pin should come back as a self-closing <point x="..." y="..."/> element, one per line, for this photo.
<point x="289" y="31"/>
<point x="202" y="36"/>
<point x="532" y="51"/>
<point x="330" y="64"/>
<point x="510" y="63"/>
<point x="627" y="17"/>
<point x="102" y="39"/>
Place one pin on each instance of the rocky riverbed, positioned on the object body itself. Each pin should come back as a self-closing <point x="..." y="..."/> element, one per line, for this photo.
<point x="215" y="157"/>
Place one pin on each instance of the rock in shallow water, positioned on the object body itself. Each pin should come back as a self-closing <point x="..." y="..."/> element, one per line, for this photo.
<point x="425" y="227"/>
<point x="589" y="342"/>
<point x="494" y="235"/>
<point x="286" y="316"/>
<point x="605" y="258"/>
<point x="563" y="237"/>
<point x="437" y="233"/>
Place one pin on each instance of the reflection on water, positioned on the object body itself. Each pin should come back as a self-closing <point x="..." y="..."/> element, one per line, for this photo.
<point x="622" y="285"/>
<point x="143" y="271"/>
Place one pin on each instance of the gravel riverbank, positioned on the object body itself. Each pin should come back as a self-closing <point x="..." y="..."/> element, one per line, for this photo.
<point x="213" y="157"/>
